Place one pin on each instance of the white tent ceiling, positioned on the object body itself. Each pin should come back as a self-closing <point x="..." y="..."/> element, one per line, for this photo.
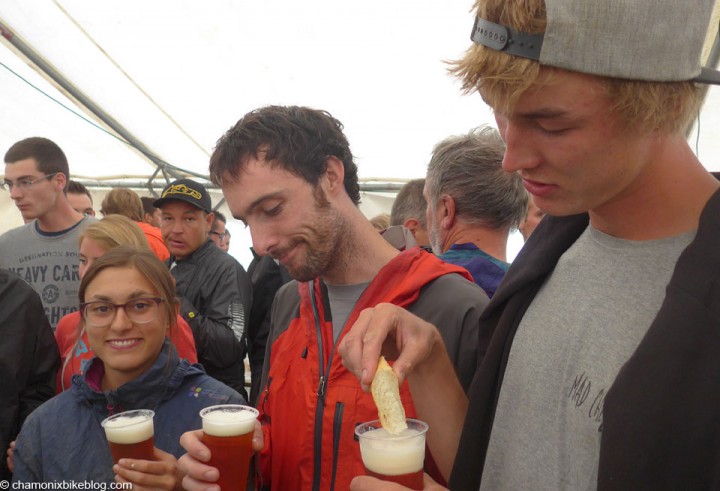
<point x="176" y="74"/>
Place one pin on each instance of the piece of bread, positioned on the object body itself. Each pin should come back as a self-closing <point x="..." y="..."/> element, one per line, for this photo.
<point x="386" y="394"/>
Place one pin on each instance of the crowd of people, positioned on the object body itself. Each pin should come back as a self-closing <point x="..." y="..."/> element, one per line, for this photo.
<point x="589" y="362"/>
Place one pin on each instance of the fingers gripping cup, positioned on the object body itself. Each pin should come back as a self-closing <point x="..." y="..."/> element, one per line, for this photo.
<point x="228" y="431"/>
<point x="130" y="435"/>
<point x="396" y="458"/>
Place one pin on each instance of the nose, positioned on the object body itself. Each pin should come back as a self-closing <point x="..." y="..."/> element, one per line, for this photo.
<point x="520" y="153"/>
<point x="176" y="227"/>
<point x="120" y="322"/>
<point x="15" y="192"/>
<point x="263" y="239"/>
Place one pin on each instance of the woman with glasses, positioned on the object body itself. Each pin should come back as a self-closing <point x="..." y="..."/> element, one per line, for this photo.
<point x="97" y="239"/>
<point x="128" y="308"/>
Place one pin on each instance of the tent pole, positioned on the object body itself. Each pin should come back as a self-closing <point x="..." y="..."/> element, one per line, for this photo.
<point x="45" y="68"/>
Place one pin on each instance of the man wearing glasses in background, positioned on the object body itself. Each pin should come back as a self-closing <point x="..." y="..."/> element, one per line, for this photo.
<point x="218" y="232"/>
<point x="44" y="251"/>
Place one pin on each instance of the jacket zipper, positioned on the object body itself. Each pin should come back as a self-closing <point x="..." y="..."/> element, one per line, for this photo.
<point x="337" y="430"/>
<point x="320" y="408"/>
<point x="266" y="393"/>
<point x="321" y="391"/>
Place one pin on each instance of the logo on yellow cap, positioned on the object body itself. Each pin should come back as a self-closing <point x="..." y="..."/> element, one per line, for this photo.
<point x="182" y="189"/>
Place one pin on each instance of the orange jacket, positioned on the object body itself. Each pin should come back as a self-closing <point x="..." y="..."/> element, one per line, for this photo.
<point x="310" y="404"/>
<point x="155" y="240"/>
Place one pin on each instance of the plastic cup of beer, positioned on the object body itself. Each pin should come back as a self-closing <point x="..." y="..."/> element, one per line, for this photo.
<point x="130" y="435"/>
<point x="228" y="431"/>
<point x="395" y="458"/>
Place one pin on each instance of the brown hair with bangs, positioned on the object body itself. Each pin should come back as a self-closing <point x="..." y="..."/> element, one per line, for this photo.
<point x="147" y="264"/>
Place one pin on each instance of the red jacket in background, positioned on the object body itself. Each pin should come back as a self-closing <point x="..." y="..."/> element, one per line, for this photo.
<point x="155" y="240"/>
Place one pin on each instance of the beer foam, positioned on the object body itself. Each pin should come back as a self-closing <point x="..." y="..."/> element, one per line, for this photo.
<point x="392" y="455"/>
<point x="228" y="423"/>
<point x="129" y="429"/>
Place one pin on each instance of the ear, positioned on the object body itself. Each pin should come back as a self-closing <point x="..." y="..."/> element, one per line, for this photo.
<point x="209" y="221"/>
<point x="411" y="224"/>
<point x="447" y="208"/>
<point x="61" y="180"/>
<point x="334" y="177"/>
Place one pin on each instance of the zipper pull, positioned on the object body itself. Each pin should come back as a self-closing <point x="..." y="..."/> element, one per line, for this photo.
<point x="321" y="387"/>
<point x="263" y="397"/>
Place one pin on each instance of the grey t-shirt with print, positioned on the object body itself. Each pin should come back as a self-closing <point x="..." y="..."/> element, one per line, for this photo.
<point x="585" y="322"/>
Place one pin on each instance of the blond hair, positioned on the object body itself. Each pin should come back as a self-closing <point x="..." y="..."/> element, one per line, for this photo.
<point x="125" y="202"/>
<point x="501" y="79"/>
<point x="114" y="231"/>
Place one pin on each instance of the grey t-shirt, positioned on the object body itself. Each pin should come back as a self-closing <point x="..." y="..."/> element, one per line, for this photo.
<point x="342" y="300"/>
<point x="585" y="322"/>
<point x="49" y="262"/>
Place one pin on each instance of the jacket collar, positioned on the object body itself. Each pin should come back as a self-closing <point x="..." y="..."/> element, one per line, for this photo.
<point x="696" y="259"/>
<point x="540" y="254"/>
<point x="147" y="391"/>
<point x="198" y="253"/>
<point x="555" y="235"/>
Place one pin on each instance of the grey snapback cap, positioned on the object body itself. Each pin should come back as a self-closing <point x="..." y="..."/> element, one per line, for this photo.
<point x="661" y="40"/>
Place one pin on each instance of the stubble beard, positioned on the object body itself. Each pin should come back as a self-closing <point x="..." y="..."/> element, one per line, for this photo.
<point x="328" y="248"/>
<point x="326" y="251"/>
<point x="435" y="238"/>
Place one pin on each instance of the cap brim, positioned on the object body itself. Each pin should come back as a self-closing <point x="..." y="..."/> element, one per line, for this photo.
<point x="161" y="201"/>
<point x="708" y="76"/>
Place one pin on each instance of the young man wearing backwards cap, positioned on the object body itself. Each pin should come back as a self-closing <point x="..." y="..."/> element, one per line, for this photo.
<point x="213" y="287"/>
<point x="601" y="368"/>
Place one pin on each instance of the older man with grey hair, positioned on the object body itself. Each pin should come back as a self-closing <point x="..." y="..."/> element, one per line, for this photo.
<point x="473" y="204"/>
<point x="409" y="209"/>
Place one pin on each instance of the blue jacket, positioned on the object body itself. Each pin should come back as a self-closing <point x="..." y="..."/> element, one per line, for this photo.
<point x="487" y="271"/>
<point x="62" y="440"/>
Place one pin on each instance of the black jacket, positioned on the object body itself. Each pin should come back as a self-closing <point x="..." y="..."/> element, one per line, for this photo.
<point x="215" y="297"/>
<point x="29" y="358"/>
<point x="661" y="418"/>
<point x="266" y="277"/>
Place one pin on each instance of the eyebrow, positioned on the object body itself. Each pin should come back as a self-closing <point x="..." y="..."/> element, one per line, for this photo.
<point x="543" y="113"/>
<point x="183" y="213"/>
<point x="29" y="176"/>
<point x="133" y="295"/>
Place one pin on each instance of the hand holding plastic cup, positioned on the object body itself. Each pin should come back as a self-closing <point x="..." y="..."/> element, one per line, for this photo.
<point x="394" y="458"/>
<point x="228" y="432"/>
<point x="130" y="435"/>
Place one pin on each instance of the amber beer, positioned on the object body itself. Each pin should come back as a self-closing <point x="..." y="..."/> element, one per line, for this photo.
<point x="228" y="431"/>
<point x="130" y="435"/>
<point x="395" y="458"/>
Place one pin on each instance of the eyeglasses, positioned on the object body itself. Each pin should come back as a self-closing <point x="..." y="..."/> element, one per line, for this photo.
<point x="221" y="236"/>
<point x="26" y="182"/>
<point x="138" y="310"/>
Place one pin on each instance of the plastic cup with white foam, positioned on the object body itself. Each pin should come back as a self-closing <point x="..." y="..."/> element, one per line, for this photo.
<point x="130" y="434"/>
<point x="396" y="458"/>
<point x="228" y="431"/>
